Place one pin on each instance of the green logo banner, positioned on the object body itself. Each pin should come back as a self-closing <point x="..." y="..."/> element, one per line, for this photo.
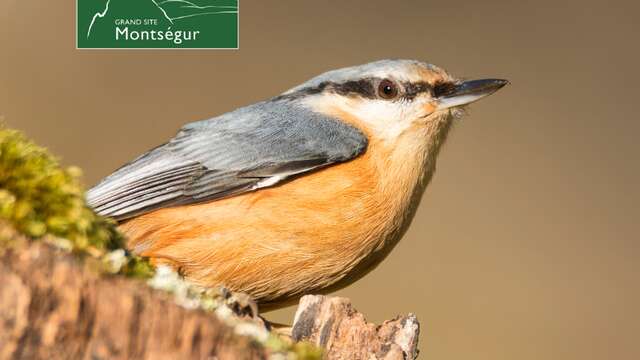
<point x="157" y="24"/>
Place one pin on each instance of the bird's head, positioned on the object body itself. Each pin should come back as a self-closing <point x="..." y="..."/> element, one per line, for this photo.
<point x="391" y="98"/>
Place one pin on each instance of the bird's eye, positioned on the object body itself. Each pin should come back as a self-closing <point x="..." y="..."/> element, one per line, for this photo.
<point x="387" y="89"/>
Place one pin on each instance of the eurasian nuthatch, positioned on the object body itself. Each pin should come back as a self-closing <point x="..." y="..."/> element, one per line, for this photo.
<point x="302" y="193"/>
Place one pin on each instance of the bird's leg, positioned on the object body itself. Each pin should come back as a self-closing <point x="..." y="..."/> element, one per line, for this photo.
<point x="283" y="330"/>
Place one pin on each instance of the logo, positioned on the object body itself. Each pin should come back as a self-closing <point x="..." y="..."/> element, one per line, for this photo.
<point x="157" y="24"/>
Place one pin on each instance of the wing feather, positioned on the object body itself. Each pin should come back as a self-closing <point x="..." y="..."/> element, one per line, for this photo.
<point x="245" y="150"/>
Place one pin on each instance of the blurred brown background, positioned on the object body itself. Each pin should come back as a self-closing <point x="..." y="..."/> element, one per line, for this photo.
<point x="525" y="245"/>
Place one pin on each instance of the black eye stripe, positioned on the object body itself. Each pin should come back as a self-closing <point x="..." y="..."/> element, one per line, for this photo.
<point x="363" y="87"/>
<point x="414" y="89"/>
<point x="366" y="88"/>
<point x="439" y="89"/>
<point x="443" y="88"/>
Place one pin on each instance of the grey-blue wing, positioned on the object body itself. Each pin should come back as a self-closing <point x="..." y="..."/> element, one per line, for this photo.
<point x="244" y="150"/>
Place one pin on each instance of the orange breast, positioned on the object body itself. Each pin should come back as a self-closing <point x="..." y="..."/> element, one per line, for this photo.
<point x="280" y="242"/>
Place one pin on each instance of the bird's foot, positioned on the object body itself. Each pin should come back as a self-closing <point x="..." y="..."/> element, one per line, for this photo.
<point x="241" y="304"/>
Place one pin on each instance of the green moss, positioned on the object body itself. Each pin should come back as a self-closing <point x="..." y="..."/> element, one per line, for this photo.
<point x="306" y="351"/>
<point x="302" y="350"/>
<point x="38" y="198"/>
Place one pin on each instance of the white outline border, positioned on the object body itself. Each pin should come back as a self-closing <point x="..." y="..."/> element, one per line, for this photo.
<point x="235" y="48"/>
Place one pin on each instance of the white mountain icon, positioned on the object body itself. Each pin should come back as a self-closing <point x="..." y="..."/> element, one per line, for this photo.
<point x="176" y="10"/>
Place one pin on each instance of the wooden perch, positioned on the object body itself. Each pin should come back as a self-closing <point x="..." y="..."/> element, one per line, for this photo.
<point x="333" y="324"/>
<point x="54" y="306"/>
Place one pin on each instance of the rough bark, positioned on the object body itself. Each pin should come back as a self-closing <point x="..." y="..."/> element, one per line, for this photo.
<point x="334" y="325"/>
<point x="53" y="307"/>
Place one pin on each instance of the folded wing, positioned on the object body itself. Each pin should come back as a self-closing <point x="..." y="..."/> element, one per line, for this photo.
<point x="245" y="150"/>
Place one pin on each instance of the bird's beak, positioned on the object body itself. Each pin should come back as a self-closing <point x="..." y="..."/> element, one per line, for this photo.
<point x="468" y="92"/>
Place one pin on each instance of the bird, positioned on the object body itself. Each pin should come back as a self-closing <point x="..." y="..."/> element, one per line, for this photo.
<point x="305" y="192"/>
